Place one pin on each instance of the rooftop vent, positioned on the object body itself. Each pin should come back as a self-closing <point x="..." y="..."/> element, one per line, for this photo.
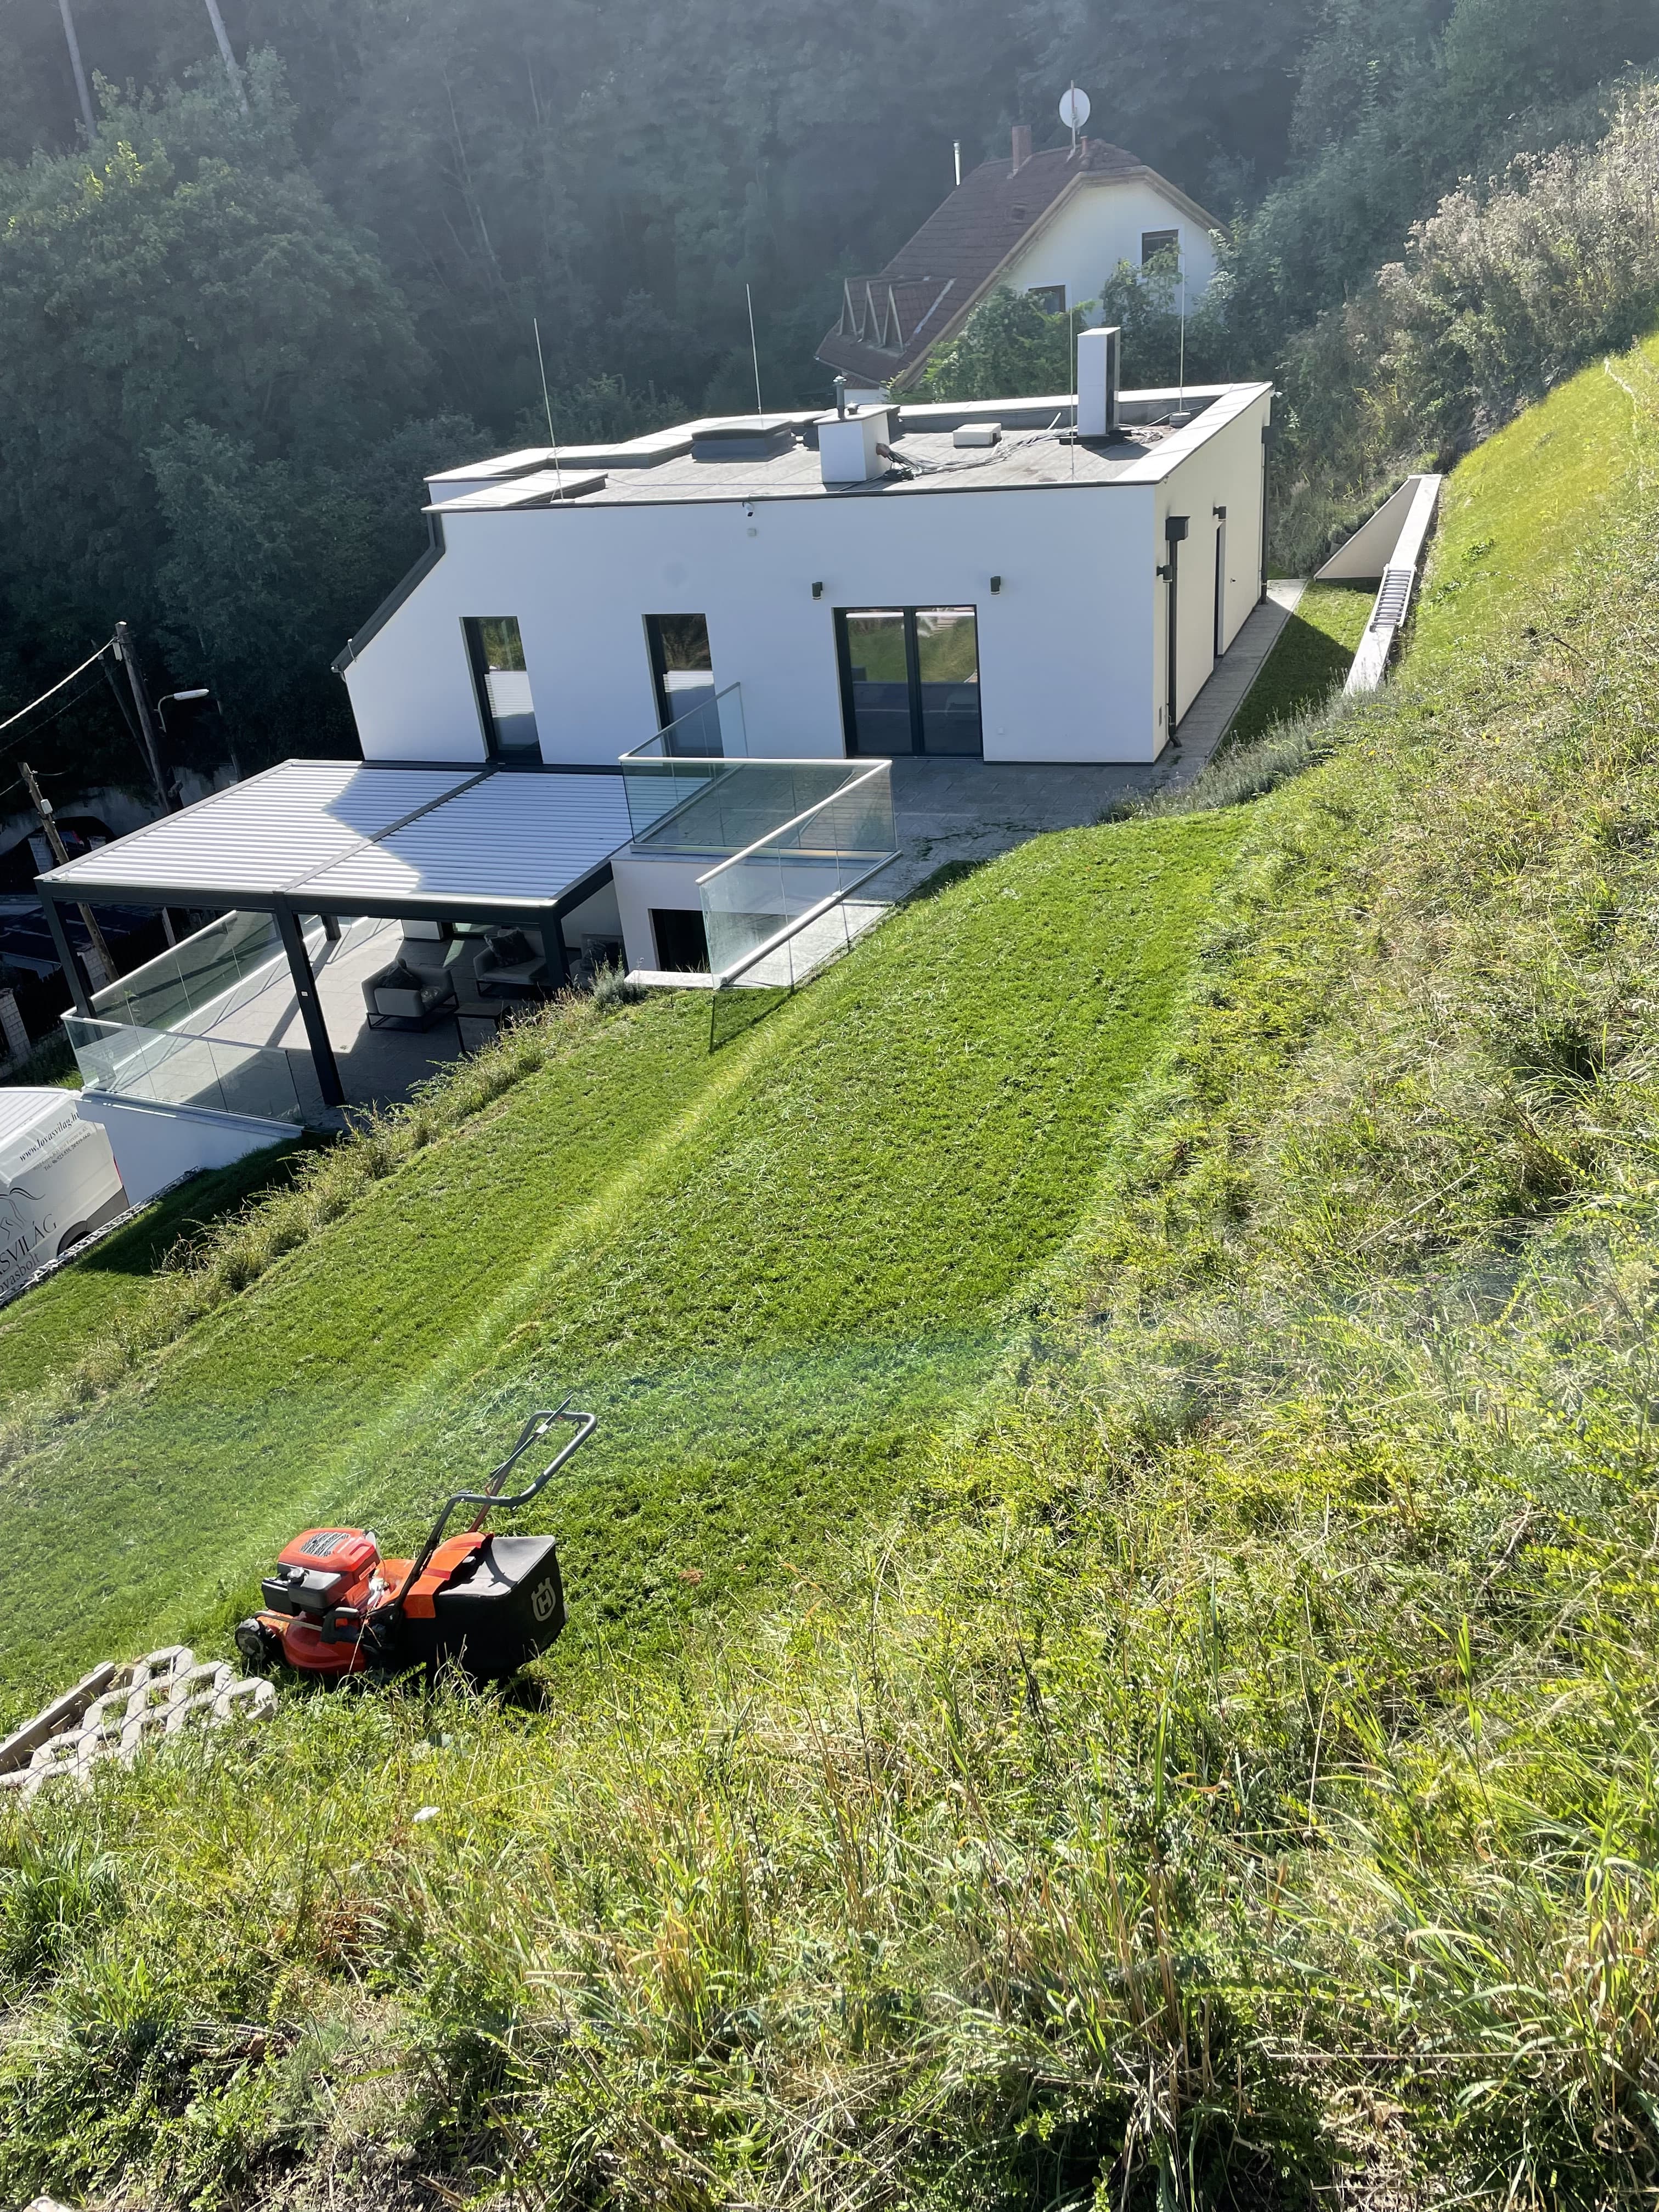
<point x="749" y="438"/>
<point x="1098" y="382"/>
<point x="850" y="446"/>
<point x="1022" y="147"/>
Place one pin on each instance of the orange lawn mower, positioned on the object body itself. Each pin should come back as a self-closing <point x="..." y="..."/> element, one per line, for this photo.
<point x="484" y="1602"/>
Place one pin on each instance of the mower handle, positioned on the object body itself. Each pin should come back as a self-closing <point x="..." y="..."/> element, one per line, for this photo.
<point x="535" y="1428"/>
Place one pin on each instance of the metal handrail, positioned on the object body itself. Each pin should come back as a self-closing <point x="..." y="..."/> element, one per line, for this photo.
<point x="877" y="769"/>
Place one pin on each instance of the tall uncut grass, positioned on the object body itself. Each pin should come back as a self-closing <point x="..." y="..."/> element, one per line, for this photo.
<point x="1511" y="285"/>
<point x="1232" y="1782"/>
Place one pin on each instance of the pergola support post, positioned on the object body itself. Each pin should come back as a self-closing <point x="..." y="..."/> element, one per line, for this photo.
<point x="310" y="1007"/>
<point x="66" y="956"/>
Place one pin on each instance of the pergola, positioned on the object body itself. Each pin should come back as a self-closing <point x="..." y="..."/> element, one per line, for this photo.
<point x="402" y="841"/>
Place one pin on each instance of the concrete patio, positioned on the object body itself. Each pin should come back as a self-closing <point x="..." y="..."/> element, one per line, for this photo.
<point x="378" y="1067"/>
<point x="946" y="810"/>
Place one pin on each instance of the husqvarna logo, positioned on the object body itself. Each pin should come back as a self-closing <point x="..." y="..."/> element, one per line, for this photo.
<point x="543" y="1599"/>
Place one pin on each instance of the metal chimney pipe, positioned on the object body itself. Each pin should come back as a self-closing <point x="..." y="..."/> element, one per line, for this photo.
<point x="840" y="397"/>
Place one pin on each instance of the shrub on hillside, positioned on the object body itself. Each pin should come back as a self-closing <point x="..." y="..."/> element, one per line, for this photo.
<point x="1503" y="292"/>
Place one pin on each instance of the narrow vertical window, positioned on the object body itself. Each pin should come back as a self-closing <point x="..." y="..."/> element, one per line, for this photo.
<point x="502" y="681"/>
<point x="682" y="670"/>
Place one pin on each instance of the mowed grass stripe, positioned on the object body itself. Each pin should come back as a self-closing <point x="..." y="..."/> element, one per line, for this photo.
<point x="773" y="1271"/>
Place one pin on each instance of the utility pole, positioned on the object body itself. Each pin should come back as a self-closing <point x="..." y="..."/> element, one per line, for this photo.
<point x="76" y="64"/>
<point x="129" y="660"/>
<point x="60" y="853"/>
<point x="229" y="58"/>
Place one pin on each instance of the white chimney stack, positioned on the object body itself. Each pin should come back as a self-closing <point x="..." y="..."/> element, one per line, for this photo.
<point x="847" y="445"/>
<point x="1096" y="382"/>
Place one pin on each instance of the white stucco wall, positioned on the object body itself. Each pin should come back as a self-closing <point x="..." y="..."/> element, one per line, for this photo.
<point x="1225" y="470"/>
<point x="155" y="1145"/>
<point x="1071" y="648"/>
<point x="1066" y="651"/>
<point x="643" y="885"/>
<point x="1100" y="226"/>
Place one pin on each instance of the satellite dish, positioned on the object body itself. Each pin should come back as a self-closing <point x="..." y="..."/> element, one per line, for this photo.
<point x="1074" y="108"/>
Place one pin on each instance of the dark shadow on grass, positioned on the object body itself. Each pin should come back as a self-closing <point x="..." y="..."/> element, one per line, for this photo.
<point x="143" y="1245"/>
<point x="734" y="1013"/>
<point x="1305" y="666"/>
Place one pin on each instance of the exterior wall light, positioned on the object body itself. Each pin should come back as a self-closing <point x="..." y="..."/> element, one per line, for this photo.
<point x="996" y="584"/>
<point x="817" y="591"/>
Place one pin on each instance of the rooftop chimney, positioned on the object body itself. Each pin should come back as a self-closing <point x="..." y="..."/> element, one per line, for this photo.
<point x="1097" y="383"/>
<point x="1022" y="147"/>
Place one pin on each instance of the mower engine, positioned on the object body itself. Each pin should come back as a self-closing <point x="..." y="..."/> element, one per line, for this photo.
<point x="482" y="1600"/>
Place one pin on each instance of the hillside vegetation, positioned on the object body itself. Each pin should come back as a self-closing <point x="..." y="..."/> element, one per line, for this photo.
<point x="1211" y="1762"/>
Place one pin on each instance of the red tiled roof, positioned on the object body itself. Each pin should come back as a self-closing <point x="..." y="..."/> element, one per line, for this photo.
<point x="891" y="321"/>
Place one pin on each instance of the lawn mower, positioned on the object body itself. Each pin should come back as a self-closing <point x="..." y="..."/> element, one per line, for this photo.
<point x="483" y="1602"/>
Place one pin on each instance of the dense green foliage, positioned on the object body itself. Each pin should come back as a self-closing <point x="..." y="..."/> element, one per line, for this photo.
<point x="229" y="343"/>
<point x="1227" y="1776"/>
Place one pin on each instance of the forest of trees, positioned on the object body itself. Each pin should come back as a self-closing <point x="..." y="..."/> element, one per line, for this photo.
<point x="238" y="325"/>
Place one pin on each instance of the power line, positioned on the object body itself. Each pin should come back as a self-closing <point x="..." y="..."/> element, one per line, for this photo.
<point x="57" y="687"/>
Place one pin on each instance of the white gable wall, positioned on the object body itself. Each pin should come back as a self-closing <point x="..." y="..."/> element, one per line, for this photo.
<point x="1066" y="647"/>
<point x="1099" y="225"/>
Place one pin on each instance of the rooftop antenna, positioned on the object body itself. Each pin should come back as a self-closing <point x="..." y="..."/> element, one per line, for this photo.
<point x="1073" y="110"/>
<point x="754" y="350"/>
<point x="1181" y="417"/>
<point x="552" y="438"/>
<point x="84" y="97"/>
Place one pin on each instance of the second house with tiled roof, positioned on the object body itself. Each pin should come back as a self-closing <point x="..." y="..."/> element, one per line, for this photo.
<point x="1056" y="224"/>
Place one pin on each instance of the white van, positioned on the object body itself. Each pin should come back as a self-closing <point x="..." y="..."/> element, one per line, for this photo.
<point x="58" y="1180"/>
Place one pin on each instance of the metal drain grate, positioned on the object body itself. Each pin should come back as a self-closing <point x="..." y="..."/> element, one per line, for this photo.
<point x="1392" y="599"/>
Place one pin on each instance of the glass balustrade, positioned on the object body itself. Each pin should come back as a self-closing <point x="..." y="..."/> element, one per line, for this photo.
<point x="771" y="903"/>
<point x="173" y="1068"/>
<point x="204" y="976"/>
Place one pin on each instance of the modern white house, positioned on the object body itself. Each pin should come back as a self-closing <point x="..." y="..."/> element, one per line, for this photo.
<point x="646" y="701"/>
<point x="1055" y="224"/>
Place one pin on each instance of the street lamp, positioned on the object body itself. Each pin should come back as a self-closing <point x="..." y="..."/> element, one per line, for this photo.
<point x="189" y="698"/>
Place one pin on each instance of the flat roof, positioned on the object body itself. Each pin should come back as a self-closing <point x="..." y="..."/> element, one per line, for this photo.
<point x="345" y="837"/>
<point x="1033" y="455"/>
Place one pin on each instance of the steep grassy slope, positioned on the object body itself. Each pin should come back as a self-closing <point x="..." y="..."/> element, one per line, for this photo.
<point x="772" y="1271"/>
<point x="1227" y="1781"/>
<point x="1310" y="659"/>
<point x="49" y="1329"/>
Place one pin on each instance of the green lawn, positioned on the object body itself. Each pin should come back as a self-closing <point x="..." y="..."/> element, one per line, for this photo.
<point x="49" y="1328"/>
<point x="1229" y="1783"/>
<point x="773" y="1270"/>
<point x="1309" y="662"/>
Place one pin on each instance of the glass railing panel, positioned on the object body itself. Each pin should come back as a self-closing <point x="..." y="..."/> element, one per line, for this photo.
<point x="193" y="974"/>
<point x="173" y="1067"/>
<point x="789" y="884"/>
<point x="744" y="801"/>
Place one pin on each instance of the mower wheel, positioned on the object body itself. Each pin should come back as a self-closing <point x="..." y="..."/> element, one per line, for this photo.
<point x="257" y="1644"/>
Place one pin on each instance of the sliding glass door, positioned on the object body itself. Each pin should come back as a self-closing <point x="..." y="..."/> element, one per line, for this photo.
<point x="910" y="680"/>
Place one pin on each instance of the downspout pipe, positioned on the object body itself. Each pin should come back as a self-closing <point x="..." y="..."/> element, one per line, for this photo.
<point x="1176" y="527"/>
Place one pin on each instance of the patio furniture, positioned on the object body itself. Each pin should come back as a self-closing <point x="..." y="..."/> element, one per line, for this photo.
<point x="414" y="990"/>
<point x="478" y="1023"/>
<point x="512" y="965"/>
